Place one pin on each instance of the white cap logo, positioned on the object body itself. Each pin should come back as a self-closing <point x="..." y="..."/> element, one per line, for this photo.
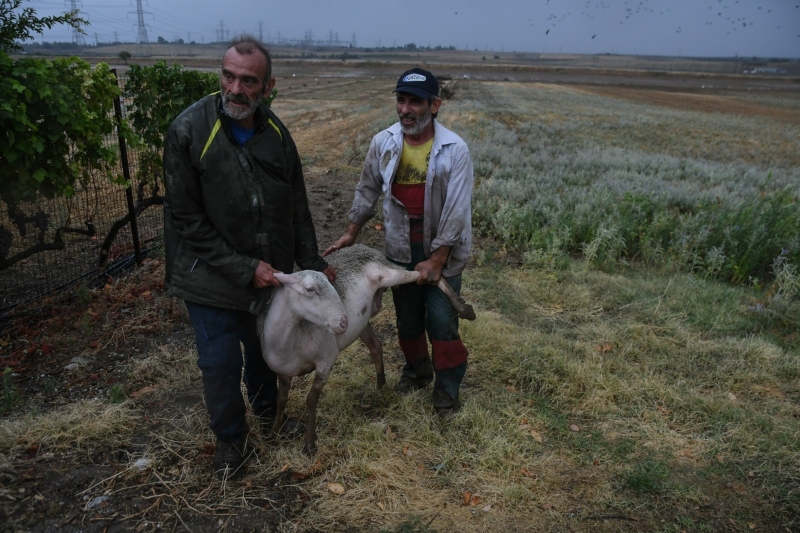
<point x="415" y="77"/>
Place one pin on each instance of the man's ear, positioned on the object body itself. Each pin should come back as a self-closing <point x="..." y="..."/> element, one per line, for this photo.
<point x="435" y="105"/>
<point x="268" y="88"/>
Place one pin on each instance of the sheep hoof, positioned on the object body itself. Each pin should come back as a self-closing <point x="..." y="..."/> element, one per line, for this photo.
<point x="468" y="313"/>
<point x="310" y="449"/>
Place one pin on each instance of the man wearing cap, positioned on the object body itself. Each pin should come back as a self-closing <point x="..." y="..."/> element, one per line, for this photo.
<point x="424" y="172"/>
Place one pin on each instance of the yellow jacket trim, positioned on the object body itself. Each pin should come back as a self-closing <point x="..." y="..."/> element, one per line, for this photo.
<point x="276" y="128"/>
<point x="214" y="131"/>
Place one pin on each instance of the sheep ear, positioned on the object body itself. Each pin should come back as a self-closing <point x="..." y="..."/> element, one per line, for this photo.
<point x="285" y="279"/>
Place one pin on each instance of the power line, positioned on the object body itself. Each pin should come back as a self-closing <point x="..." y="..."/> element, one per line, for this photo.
<point x="77" y="36"/>
<point x="141" y="36"/>
<point x="223" y="34"/>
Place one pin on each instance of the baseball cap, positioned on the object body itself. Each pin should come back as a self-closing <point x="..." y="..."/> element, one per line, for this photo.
<point x="418" y="82"/>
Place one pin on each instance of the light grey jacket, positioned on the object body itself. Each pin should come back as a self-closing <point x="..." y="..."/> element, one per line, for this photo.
<point x="448" y="196"/>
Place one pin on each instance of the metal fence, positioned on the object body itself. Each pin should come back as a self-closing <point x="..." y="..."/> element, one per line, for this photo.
<point x="66" y="243"/>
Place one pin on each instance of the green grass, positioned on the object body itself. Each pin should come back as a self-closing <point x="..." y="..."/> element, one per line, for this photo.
<point x="677" y="367"/>
<point x="647" y="475"/>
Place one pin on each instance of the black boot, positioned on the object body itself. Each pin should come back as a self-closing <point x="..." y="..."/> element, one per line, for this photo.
<point x="446" y="389"/>
<point x="229" y="459"/>
<point x="415" y="376"/>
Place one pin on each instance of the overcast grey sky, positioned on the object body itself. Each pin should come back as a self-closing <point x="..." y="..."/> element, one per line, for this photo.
<point x="648" y="27"/>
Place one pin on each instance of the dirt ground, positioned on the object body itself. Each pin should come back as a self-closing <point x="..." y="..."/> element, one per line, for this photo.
<point x="100" y="334"/>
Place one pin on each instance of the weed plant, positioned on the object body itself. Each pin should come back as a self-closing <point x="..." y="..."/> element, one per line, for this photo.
<point x="9" y="395"/>
<point x="569" y="172"/>
<point x="116" y="394"/>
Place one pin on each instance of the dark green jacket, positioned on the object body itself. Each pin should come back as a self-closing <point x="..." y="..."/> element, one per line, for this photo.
<point x="229" y="206"/>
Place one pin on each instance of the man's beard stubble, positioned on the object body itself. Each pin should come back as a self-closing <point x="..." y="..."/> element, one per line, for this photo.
<point x="422" y="122"/>
<point x="236" y="113"/>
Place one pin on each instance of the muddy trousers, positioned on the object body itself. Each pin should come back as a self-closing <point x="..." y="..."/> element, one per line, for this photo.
<point x="220" y="335"/>
<point x="421" y="310"/>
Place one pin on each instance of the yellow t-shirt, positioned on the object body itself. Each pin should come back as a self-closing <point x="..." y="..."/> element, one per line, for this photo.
<point x="409" y="180"/>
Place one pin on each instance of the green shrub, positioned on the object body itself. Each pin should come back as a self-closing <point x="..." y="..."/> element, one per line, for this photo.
<point x="55" y="119"/>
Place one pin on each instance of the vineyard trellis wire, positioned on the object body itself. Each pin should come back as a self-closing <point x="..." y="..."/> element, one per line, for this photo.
<point x="77" y="241"/>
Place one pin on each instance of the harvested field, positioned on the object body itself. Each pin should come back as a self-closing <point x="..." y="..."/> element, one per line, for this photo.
<point x="734" y="104"/>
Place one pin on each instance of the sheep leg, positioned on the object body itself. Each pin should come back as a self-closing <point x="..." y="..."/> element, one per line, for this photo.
<point x="398" y="277"/>
<point x="310" y="442"/>
<point x="463" y="309"/>
<point x="284" y="384"/>
<point x="377" y="301"/>
<point x="373" y="344"/>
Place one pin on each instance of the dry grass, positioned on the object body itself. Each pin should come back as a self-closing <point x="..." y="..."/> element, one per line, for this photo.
<point x="577" y="379"/>
<point x="77" y="426"/>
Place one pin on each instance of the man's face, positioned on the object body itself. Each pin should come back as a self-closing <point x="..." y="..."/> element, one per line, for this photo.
<point x="243" y="83"/>
<point x="415" y="113"/>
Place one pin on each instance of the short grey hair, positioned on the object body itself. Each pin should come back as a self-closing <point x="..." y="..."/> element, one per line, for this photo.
<point x="246" y="44"/>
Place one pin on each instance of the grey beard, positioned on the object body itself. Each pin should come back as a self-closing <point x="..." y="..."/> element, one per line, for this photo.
<point x="234" y="112"/>
<point x="422" y="123"/>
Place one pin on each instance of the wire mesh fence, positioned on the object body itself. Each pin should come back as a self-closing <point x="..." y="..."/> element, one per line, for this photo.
<point x="52" y="245"/>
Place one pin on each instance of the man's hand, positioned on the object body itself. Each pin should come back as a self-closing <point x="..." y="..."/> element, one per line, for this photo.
<point x="330" y="273"/>
<point x="342" y="242"/>
<point x="430" y="270"/>
<point x="264" y="276"/>
<point x="429" y="274"/>
<point x="347" y="239"/>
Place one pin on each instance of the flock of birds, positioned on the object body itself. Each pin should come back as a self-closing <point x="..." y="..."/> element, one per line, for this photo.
<point x="631" y="9"/>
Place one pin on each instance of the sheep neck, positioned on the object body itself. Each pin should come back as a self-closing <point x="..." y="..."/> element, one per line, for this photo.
<point x="281" y="325"/>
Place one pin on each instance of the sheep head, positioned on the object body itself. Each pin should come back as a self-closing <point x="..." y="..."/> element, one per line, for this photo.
<point x="314" y="299"/>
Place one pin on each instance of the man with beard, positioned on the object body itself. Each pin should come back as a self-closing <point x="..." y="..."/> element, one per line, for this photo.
<point x="236" y="213"/>
<point x="424" y="172"/>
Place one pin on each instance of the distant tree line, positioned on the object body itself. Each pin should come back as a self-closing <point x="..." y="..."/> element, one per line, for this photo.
<point x="69" y="45"/>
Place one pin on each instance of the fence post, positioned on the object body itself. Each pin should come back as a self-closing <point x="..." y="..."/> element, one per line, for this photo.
<point x="126" y="172"/>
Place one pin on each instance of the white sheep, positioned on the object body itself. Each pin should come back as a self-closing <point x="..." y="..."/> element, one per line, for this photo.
<point x="308" y="322"/>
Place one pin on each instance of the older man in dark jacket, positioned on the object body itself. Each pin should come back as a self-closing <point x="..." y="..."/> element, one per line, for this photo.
<point x="236" y="212"/>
